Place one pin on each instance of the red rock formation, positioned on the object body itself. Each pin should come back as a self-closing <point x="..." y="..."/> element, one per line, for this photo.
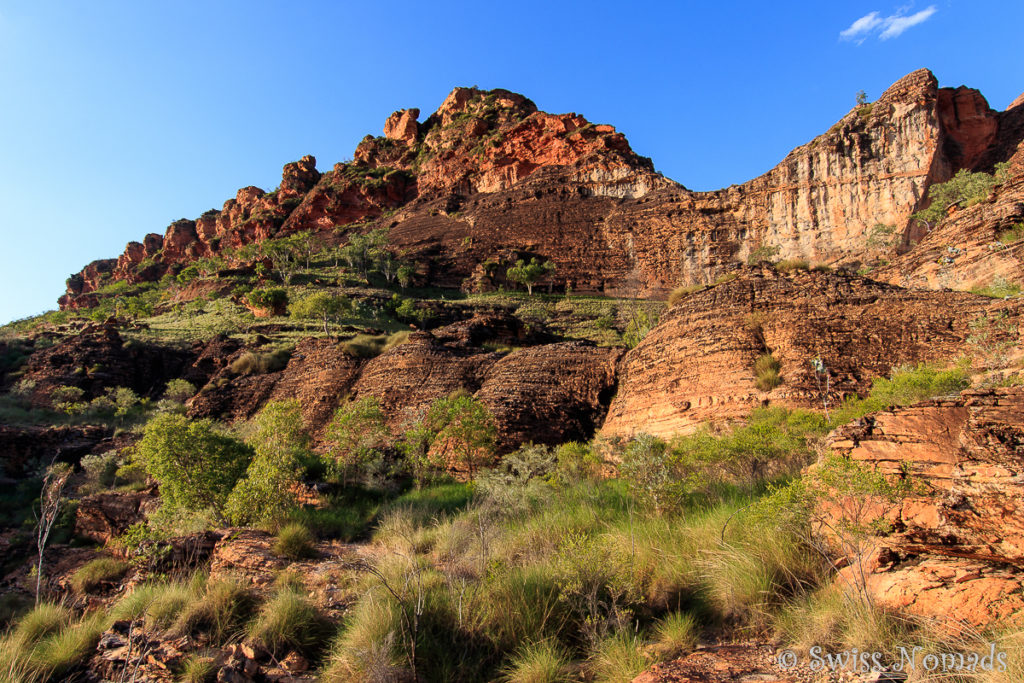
<point x="698" y="363"/>
<point x="956" y="545"/>
<point x="103" y="516"/>
<point x="403" y="126"/>
<point x="487" y="174"/>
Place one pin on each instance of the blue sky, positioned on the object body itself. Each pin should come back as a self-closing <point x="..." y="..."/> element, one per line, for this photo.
<point x="120" y="117"/>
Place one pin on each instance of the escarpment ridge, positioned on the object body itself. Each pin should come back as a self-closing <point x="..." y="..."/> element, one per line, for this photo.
<point x="488" y="178"/>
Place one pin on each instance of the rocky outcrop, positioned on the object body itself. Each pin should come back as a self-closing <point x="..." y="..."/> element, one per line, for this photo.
<point x="957" y="549"/>
<point x="488" y="173"/>
<point x="26" y="450"/>
<point x="97" y="359"/>
<point x="552" y="393"/>
<point x="102" y="516"/>
<point x="698" y="364"/>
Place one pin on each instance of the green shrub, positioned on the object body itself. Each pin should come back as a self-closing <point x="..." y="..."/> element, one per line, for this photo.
<point x="999" y="288"/>
<point x="295" y="542"/>
<point x="766" y="371"/>
<point x="179" y="390"/>
<point x="196" y="465"/>
<point x="907" y="385"/>
<point x="760" y="254"/>
<point x="647" y="468"/>
<point x="95" y="573"/>
<point x="963" y="190"/>
<point x="273" y="298"/>
<point x="356" y="437"/>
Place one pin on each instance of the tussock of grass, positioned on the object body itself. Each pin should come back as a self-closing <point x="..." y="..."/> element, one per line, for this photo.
<point x="58" y="654"/>
<point x="44" y="620"/>
<point x="294" y="541"/>
<point x="677" y="295"/>
<point x="220" y="611"/>
<point x="251" y="363"/>
<point x="1011" y="235"/>
<point x="789" y="265"/>
<point x="197" y="669"/>
<point x="619" y="658"/>
<point x="766" y="371"/>
<point x="364" y="345"/>
<point x="286" y="622"/>
<point x="675" y="634"/>
<point x="543" y="662"/>
<point x="95" y="573"/>
<point x="167" y="602"/>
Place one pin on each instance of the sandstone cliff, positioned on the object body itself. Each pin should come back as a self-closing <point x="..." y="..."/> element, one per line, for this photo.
<point x="698" y="364"/>
<point x="958" y="547"/>
<point x="488" y="177"/>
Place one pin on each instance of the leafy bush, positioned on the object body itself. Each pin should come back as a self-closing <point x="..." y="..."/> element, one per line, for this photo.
<point x="356" y="437"/>
<point x="647" y="467"/>
<point x="95" y="573"/>
<point x="529" y="273"/>
<point x="280" y="442"/>
<point x="963" y="190"/>
<point x="273" y="298"/>
<point x="907" y="385"/>
<point x="179" y="390"/>
<point x="467" y="427"/>
<point x="196" y="465"/>
<point x="322" y="306"/>
<point x="762" y="253"/>
<point x="638" y="327"/>
<point x="999" y="288"/>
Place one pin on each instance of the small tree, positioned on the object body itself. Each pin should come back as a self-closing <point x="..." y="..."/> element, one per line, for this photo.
<point x="646" y="466"/>
<point x="418" y="437"/>
<point x="309" y="244"/>
<point x="468" y="428"/>
<point x="529" y="273"/>
<point x="280" y="441"/>
<point x="363" y="251"/>
<point x="284" y="255"/>
<point x="323" y="306"/>
<point x="357" y="434"/>
<point x="405" y="274"/>
<point x="50" y="502"/>
<point x="862" y="98"/>
<point x="196" y="465"/>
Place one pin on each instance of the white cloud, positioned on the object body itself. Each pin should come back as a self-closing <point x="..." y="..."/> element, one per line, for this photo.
<point x="861" y="27"/>
<point x="894" y="26"/>
<point x="888" y="27"/>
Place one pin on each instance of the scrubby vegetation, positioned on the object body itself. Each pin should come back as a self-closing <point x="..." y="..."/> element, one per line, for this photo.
<point x="962" y="190"/>
<point x="544" y="568"/>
